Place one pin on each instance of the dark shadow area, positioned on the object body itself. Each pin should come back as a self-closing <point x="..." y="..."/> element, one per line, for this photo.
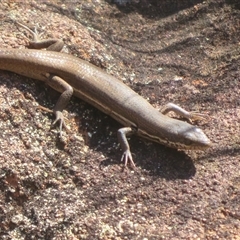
<point x="234" y="3"/>
<point x="154" y="8"/>
<point x="158" y="160"/>
<point x="233" y="152"/>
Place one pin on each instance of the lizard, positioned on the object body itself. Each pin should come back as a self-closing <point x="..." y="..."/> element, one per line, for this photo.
<point x="71" y="75"/>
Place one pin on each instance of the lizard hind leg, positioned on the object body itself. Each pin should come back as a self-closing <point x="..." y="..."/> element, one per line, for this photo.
<point x="50" y="44"/>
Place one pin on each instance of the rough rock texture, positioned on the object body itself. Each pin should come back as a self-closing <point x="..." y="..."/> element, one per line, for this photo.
<point x="186" y="52"/>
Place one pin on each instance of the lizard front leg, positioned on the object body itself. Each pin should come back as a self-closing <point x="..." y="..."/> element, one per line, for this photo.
<point x="66" y="90"/>
<point x="182" y="112"/>
<point x="122" y="138"/>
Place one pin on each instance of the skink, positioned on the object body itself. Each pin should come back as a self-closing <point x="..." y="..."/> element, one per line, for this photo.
<point x="72" y="76"/>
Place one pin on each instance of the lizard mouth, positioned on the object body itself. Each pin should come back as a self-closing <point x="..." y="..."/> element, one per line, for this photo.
<point x="190" y="146"/>
<point x="190" y="142"/>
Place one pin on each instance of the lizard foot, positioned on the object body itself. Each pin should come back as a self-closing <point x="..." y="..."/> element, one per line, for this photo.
<point x="59" y="118"/>
<point x="127" y="156"/>
<point x="194" y="116"/>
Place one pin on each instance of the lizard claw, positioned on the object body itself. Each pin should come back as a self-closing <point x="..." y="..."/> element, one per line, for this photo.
<point x="59" y="118"/>
<point x="197" y="116"/>
<point x="127" y="156"/>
